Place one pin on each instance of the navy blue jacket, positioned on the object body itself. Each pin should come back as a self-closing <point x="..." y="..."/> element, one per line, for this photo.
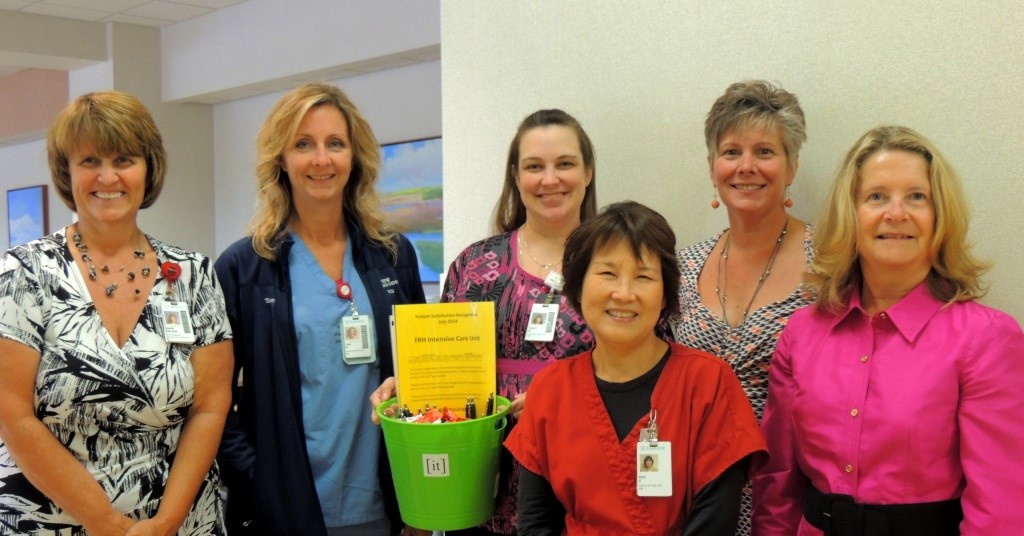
<point x="263" y="451"/>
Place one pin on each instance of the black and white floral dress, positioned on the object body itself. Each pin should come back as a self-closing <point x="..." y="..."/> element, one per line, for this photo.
<point x="119" y="411"/>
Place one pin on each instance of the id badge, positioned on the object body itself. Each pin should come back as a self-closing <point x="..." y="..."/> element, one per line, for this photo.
<point x="177" y="323"/>
<point x="543" y="319"/>
<point x="358" y="339"/>
<point x="654" y="469"/>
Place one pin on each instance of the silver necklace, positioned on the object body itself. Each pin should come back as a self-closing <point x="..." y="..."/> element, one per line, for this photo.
<point x="521" y="242"/>
<point x="723" y="274"/>
<point x="109" y="290"/>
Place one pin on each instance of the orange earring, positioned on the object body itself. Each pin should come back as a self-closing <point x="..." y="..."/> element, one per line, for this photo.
<point x="714" y="199"/>
<point x="789" y="199"/>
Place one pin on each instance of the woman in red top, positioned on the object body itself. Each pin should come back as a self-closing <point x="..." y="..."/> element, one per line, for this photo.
<point x="594" y="418"/>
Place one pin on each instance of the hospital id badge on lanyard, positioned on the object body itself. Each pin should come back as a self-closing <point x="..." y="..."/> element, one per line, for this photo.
<point x="177" y="322"/>
<point x="358" y="338"/>
<point x="653" y="462"/>
<point x="544" y="316"/>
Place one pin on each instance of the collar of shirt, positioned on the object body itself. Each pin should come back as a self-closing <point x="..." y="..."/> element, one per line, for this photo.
<point x="910" y="315"/>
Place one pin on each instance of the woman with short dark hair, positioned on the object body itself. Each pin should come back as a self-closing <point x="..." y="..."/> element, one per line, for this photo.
<point x="593" y="418"/>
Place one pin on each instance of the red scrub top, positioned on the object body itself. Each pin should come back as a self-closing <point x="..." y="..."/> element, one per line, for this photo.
<point x="566" y="436"/>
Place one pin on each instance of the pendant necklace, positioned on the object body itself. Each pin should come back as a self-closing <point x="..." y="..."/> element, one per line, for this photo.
<point x="723" y="274"/>
<point x="94" y="273"/>
<point x="521" y="242"/>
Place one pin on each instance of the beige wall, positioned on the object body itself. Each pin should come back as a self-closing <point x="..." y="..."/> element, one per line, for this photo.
<point x="641" y="76"/>
<point x="30" y="100"/>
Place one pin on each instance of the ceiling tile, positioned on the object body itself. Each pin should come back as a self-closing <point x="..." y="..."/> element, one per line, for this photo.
<point x="65" y="12"/>
<point x="167" y="11"/>
<point x="109" y="6"/>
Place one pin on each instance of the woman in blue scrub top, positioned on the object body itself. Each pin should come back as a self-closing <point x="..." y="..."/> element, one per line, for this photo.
<point x="299" y="454"/>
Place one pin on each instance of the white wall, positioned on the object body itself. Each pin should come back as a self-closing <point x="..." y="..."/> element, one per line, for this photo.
<point x="260" y="41"/>
<point x="641" y="77"/>
<point x="400" y="104"/>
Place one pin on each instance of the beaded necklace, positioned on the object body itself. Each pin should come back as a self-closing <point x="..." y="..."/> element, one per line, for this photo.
<point x="137" y="256"/>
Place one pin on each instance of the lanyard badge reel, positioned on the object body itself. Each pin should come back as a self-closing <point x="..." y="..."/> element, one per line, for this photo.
<point x="653" y="462"/>
<point x="358" y="338"/>
<point x="544" y="314"/>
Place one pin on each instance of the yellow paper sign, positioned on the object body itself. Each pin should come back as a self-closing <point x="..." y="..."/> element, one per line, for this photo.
<point x="445" y="354"/>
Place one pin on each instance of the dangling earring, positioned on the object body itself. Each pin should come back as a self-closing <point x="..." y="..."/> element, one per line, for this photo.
<point x="714" y="199"/>
<point x="789" y="199"/>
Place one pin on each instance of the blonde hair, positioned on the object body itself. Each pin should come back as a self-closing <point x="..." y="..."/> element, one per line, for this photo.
<point x="955" y="273"/>
<point x="274" y="204"/>
<point x="106" y="122"/>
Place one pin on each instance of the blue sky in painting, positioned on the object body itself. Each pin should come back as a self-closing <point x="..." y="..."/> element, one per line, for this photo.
<point x="412" y="164"/>
<point x="24" y="215"/>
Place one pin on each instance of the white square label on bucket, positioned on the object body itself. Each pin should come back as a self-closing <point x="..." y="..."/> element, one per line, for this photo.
<point x="435" y="465"/>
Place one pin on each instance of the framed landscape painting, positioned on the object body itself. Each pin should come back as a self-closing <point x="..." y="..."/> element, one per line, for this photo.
<point x="27" y="215"/>
<point x="411" y="186"/>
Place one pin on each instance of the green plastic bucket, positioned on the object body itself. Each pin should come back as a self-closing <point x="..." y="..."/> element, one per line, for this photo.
<point x="445" y="474"/>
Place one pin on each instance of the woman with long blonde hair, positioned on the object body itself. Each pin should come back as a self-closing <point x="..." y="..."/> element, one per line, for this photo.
<point x="299" y="453"/>
<point x="894" y="402"/>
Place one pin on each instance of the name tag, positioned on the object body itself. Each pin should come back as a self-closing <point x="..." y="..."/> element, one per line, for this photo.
<point x="358" y="340"/>
<point x="543" y="319"/>
<point x="654" y="469"/>
<point x="177" y="322"/>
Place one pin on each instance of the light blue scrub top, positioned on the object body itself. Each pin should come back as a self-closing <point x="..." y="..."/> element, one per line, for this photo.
<point x="341" y="440"/>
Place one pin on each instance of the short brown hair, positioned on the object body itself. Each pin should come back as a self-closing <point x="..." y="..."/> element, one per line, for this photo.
<point x="757" y="104"/>
<point x="639" y="226"/>
<point x="106" y="122"/>
<point x="510" y="212"/>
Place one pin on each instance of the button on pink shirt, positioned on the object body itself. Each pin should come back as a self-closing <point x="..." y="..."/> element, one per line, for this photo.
<point x="922" y="402"/>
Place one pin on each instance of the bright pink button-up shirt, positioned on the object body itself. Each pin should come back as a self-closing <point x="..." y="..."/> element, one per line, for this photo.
<point x="922" y="402"/>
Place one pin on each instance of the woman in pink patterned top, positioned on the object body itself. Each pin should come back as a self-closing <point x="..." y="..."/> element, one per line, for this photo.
<point x="549" y="189"/>
<point x="739" y="288"/>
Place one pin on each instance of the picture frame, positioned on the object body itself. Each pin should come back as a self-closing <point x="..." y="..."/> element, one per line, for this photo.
<point x="411" y="186"/>
<point x="28" y="215"/>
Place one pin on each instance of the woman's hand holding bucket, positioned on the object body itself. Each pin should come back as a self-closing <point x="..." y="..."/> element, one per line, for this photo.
<point x="387" y="390"/>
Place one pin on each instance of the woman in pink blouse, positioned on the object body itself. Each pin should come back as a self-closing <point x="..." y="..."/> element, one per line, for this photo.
<point x="894" y="403"/>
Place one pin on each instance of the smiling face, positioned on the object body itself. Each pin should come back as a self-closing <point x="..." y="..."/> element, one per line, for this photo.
<point x="319" y="159"/>
<point x="622" y="297"/>
<point x="107" y="188"/>
<point x="551" y="176"/>
<point x="895" y="215"/>
<point x="750" y="170"/>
